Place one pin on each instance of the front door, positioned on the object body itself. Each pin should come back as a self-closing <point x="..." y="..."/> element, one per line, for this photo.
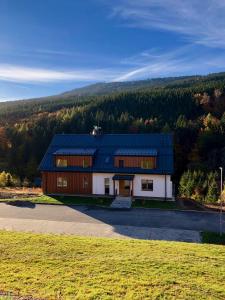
<point x="124" y="187"/>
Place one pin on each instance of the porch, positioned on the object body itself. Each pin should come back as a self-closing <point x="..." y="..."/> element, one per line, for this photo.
<point x="123" y="185"/>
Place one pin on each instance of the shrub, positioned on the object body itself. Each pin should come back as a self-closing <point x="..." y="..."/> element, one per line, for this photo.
<point x="6" y="180"/>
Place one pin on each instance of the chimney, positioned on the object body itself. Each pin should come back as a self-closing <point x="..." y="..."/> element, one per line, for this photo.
<point x="96" y="131"/>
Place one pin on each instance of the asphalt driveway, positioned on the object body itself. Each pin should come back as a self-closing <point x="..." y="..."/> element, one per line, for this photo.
<point x="137" y="217"/>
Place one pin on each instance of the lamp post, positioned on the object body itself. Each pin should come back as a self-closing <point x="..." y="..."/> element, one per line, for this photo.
<point x="221" y="202"/>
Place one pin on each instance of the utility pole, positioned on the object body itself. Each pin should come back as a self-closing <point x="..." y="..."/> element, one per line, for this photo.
<point x="221" y="200"/>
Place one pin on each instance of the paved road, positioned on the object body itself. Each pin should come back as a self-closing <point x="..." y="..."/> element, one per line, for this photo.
<point x="196" y="221"/>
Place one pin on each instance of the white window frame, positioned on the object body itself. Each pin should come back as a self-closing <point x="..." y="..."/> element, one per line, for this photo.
<point x="107" y="185"/>
<point x="62" y="182"/>
<point x="147" y="182"/>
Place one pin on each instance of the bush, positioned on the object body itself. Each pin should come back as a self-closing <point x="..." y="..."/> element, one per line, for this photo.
<point x="213" y="238"/>
<point x="26" y="182"/>
<point x="7" y="180"/>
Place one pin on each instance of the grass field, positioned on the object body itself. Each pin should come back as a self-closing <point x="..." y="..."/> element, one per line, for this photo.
<point x="47" y="266"/>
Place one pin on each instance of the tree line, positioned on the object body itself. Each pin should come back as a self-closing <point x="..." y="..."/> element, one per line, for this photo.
<point x="195" y="113"/>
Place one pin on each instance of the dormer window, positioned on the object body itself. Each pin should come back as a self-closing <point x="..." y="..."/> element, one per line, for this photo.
<point x="61" y="162"/>
<point x="85" y="163"/>
<point x="147" y="164"/>
<point x="121" y="163"/>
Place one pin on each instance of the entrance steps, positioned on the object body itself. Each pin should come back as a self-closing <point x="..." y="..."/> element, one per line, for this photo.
<point x="121" y="202"/>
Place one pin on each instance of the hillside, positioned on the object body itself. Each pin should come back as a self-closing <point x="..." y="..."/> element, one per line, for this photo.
<point x="66" y="267"/>
<point x="193" y="108"/>
<point x="113" y="87"/>
<point x="13" y="110"/>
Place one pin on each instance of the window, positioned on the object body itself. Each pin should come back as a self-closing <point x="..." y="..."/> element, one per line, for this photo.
<point x="121" y="163"/>
<point x="61" y="182"/>
<point x="107" y="186"/>
<point x="147" y="185"/>
<point x="85" y="163"/>
<point x="147" y="164"/>
<point x="61" y="162"/>
<point x="85" y="182"/>
<point x="126" y="184"/>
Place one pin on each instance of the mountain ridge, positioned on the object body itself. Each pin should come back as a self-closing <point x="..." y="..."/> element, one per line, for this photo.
<point x="104" y="88"/>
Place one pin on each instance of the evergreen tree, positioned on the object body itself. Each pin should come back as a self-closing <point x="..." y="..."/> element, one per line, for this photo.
<point x="212" y="190"/>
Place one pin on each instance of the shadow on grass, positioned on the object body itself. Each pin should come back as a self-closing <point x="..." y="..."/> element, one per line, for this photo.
<point x="79" y="200"/>
<point x="213" y="238"/>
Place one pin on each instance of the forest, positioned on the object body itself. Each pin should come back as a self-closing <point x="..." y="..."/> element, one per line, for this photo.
<point x="192" y="108"/>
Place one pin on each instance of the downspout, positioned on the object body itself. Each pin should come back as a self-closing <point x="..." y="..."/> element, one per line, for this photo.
<point x="46" y="182"/>
<point x="165" y="188"/>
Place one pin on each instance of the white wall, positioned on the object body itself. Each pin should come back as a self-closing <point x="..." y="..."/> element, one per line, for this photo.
<point x="98" y="183"/>
<point x="98" y="187"/>
<point x="158" y="186"/>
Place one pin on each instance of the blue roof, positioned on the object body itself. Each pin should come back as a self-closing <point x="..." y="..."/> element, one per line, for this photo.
<point x="136" y="152"/>
<point x="123" y="177"/>
<point x="75" y="151"/>
<point x="106" y="145"/>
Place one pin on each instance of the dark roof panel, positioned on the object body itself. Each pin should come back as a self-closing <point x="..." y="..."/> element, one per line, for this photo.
<point x="123" y="177"/>
<point x="136" y="152"/>
<point x="75" y="151"/>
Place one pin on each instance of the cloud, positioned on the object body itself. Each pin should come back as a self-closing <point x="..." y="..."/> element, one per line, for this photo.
<point x="21" y="74"/>
<point x="146" y="64"/>
<point x="202" y="22"/>
<point x="182" y="61"/>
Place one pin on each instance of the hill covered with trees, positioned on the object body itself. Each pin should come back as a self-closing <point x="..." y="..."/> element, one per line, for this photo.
<point x="193" y="108"/>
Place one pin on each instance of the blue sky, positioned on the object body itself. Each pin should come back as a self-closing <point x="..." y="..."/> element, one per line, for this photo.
<point x="51" y="46"/>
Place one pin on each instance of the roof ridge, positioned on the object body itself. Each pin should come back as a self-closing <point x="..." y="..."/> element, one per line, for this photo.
<point x="88" y="134"/>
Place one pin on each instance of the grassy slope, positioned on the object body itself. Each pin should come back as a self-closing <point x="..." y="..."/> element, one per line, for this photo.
<point x="93" y="268"/>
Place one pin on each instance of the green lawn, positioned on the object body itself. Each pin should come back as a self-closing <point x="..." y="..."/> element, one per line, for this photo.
<point x="67" y="200"/>
<point x="100" y="201"/>
<point x="45" y="266"/>
<point x="155" y="204"/>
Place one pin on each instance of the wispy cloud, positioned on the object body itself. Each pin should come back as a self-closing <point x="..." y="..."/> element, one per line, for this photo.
<point x="202" y="22"/>
<point x="182" y="61"/>
<point x="21" y="74"/>
<point x="147" y="64"/>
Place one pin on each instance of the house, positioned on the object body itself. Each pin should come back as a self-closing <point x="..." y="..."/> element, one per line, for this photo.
<point x="138" y="165"/>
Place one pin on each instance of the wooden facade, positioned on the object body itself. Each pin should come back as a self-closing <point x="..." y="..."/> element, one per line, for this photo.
<point x="77" y="183"/>
<point x="134" y="161"/>
<point x="75" y="160"/>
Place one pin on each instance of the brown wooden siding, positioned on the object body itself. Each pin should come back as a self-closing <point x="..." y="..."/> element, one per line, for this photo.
<point x="76" y="161"/>
<point x="75" y="183"/>
<point x="133" y="161"/>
